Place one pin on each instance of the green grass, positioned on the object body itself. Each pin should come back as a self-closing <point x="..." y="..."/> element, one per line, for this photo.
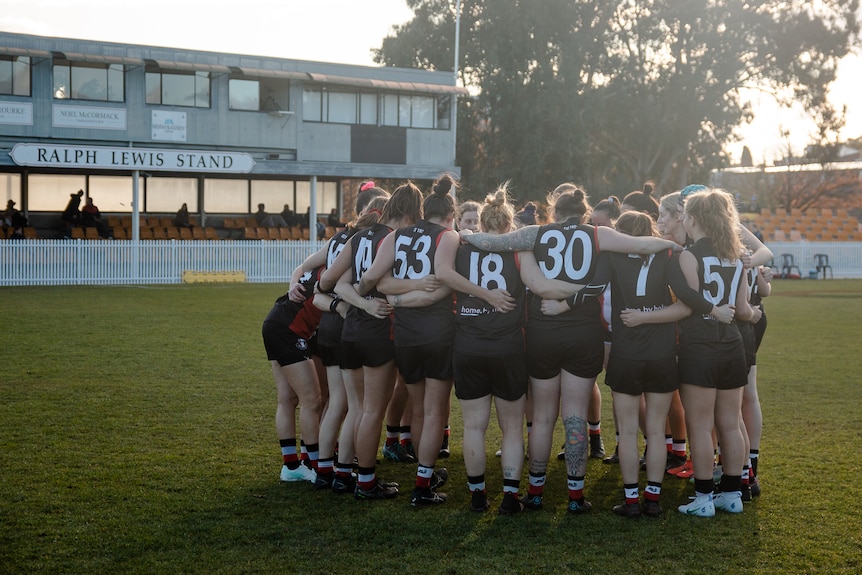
<point x="137" y="436"/>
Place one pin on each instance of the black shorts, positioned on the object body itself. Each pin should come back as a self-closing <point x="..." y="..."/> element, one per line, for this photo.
<point x="728" y="373"/>
<point x="503" y="376"/>
<point x="637" y="376"/>
<point x="580" y="351"/>
<point x="759" y="330"/>
<point x="284" y="346"/>
<point x="749" y="343"/>
<point x="371" y="353"/>
<point x="432" y="360"/>
<point x="330" y="355"/>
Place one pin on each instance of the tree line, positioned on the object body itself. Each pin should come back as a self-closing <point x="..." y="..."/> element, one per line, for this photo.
<point x="612" y="93"/>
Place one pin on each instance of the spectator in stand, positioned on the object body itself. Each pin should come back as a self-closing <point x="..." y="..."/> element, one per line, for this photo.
<point x="91" y="217"/>
<point x="288" y="215"/>
<point x="14" y="222"/>
<point x="72" y="214"/>
<point x="266" y="220"/>
<point x="333" y="220"/>
<point x="181" y="220"/>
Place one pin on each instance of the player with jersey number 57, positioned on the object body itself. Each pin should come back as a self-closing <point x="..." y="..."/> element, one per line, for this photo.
<point x="712" y="366"/>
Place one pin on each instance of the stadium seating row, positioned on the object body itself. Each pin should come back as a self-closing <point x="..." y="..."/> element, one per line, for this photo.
<point x="811" y="225"/>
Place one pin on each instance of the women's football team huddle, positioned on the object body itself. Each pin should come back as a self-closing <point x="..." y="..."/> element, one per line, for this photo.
<point x="399" y="307"/>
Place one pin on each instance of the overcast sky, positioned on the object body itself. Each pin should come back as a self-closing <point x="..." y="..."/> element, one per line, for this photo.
<point x="343" y="31"/>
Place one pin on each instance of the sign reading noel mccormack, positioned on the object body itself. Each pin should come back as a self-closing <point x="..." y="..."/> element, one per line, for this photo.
<point x="92" y="157"/>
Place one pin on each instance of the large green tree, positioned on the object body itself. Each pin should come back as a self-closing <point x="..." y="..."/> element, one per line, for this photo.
<point x="610" y="93"/>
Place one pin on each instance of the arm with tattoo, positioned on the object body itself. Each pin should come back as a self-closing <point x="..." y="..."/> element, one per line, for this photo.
<point x="519" y="240"/>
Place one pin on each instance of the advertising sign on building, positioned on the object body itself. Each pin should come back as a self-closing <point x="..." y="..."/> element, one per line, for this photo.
<point x="169" y="126"/>
<point x="65" y="116"/>
<point x="92" y="157"/>
<point x="16" y="113"/>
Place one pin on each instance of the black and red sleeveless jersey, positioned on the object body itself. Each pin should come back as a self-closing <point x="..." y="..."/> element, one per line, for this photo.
<point x="300" y="318"/>
<point x="415" y="249"/>
<point x="569" y="252"/>
<point x="331" y="323"/>
<point x="641" y="283"/>
<point x="718" y="283"/>
<point x="480" y="328"/>
<point x="359" y="326"/>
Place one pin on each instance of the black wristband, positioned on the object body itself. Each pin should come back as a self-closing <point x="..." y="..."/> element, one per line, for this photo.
<point x="333" y="305"/>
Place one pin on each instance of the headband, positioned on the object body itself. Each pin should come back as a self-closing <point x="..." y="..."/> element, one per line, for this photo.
<point x="366" y="186"/>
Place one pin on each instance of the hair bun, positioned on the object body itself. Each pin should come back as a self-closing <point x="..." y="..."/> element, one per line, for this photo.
<point x="443" y="186"/>
<point x="648" y="188"/>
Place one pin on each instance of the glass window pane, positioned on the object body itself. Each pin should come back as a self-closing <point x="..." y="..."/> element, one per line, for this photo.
<point x="178" y="90"/>
<point x="303" y="197"/>
<point x="368" y="109"/>
<point x="202" y="89"/>
<point x="50" y="193"/>
<point x="112" y="193"/>
<point x="226" y="196"/>
<point x="273" y="194"/>
<point x="390" y="110"/>
<point x="116" y="91"/>
<point x="89" y="83"/>
<point x="154" y="88"/>
<point x="311" y="105"/>
<point x="404" y="105"/>
<point x="327" y="197"/>
<point x="169" y="194"/>
<point x="10" y="189"/>
<point x="342" y="107"/>
<point x="61" y="82"/>
<point x="424" y="108"/>
<point x="5" y="76"/>
<point x="244" y="94"/>
<point x="21" y="76"/>
<point x="444" y="110"/>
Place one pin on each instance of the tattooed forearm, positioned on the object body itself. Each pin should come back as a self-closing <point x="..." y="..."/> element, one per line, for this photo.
<point x="577" y="444"/>
<point x="518" y="241"/>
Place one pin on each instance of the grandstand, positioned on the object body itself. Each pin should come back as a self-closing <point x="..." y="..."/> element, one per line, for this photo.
<point x="814" y="225"/>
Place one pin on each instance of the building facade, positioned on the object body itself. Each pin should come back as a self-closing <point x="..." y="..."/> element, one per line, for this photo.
<point x="144" y="129"/>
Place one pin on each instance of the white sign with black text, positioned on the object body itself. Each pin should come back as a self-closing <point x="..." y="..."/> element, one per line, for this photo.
<point x="16" y="113"/>
<point x="92" y="157"/>
<point x="64" y="116"/>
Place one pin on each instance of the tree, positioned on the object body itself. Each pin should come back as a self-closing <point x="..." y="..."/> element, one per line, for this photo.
<point x="610" y="93"/>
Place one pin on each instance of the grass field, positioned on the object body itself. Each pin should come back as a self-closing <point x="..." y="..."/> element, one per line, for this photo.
<point x="137" y="436"/>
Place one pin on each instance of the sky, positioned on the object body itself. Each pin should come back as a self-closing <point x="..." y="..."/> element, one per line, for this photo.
<point x="342" y="31"/>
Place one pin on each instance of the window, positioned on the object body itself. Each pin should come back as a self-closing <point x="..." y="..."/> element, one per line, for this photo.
<point x="50" y="193"/>
<point x="259" y="94"/>
<point x="368" y="109"/>
<point x="169" y="194"/>
<point x="339" y="106"/>
<point x="226" y="196"/>
<point x="244" y="94"/>
<point x="273" y="194"/>
<point x="15" y="75"/>
<point x="413" y="111"/>
<point x="312" y="105"/>
<point x="177" y="88"/>
<point x="10" y="189"/>
<point x="327" y="197"/>
<point x="114" y="193"/>
<point x="88" y="81"/>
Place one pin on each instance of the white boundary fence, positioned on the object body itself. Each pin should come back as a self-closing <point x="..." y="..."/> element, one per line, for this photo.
<point x="109" y="262"/>
<point x="844" y="257"/>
